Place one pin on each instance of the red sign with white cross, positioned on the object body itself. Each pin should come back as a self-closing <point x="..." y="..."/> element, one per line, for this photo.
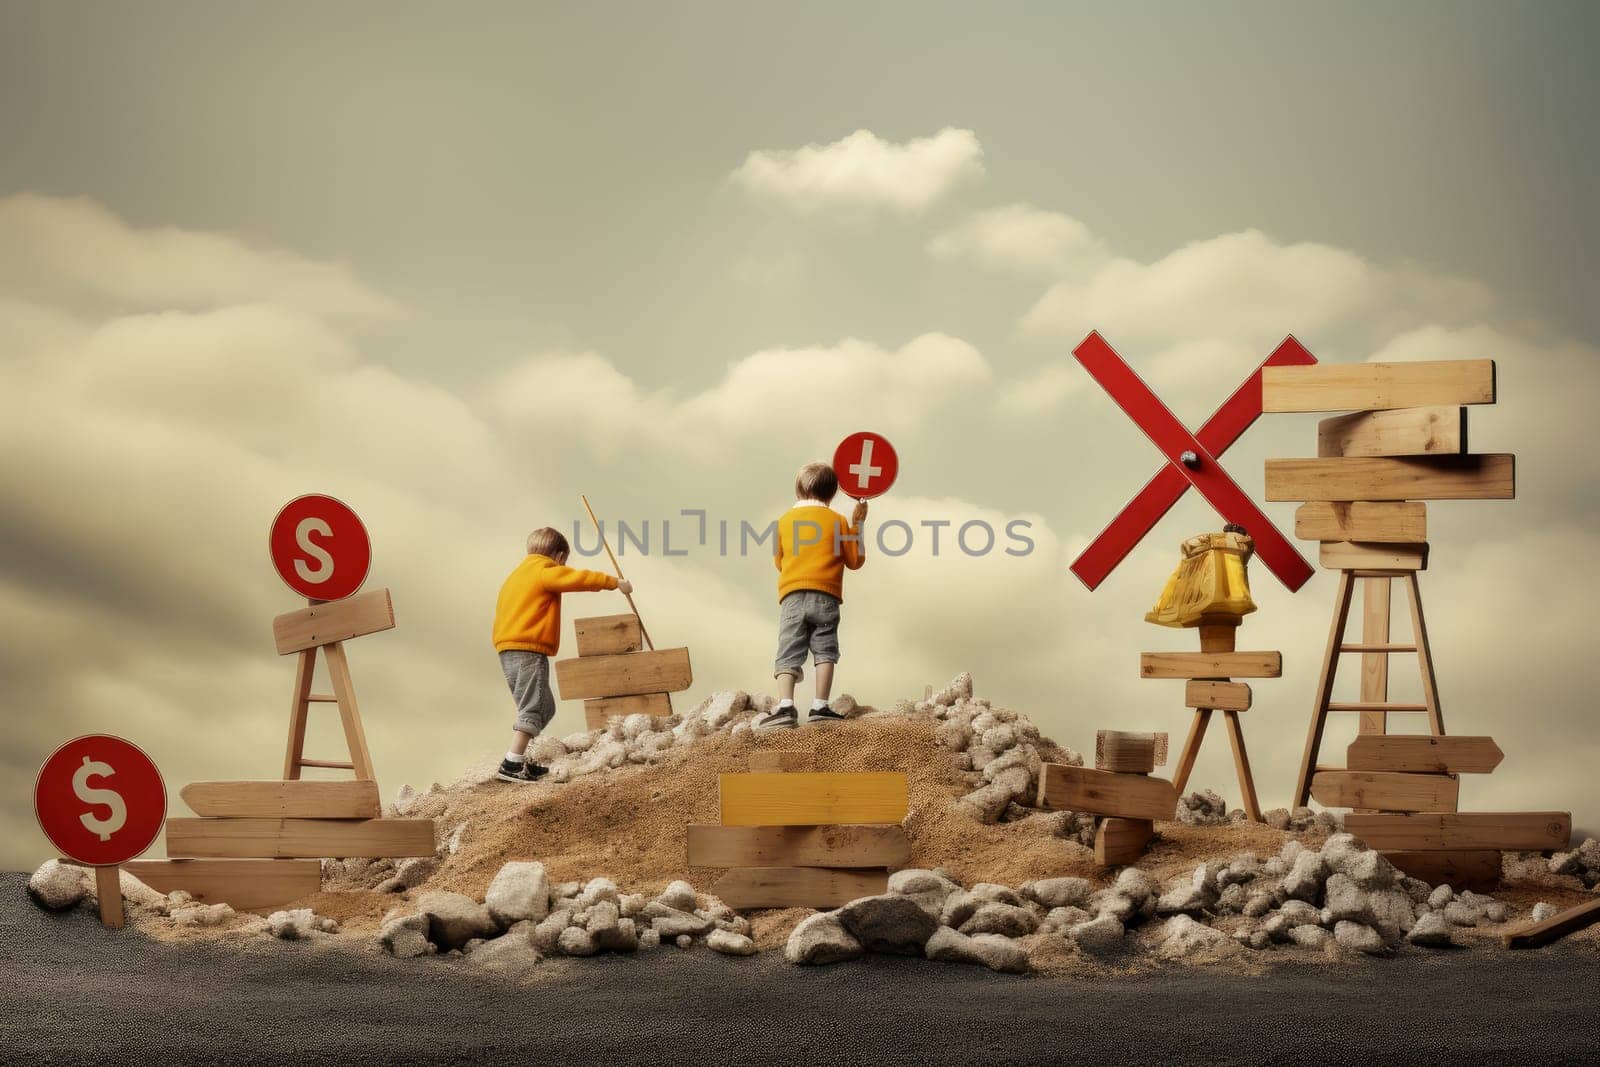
<point x="320" y="547"/>
<point x="1191" y="460"/>
<point x="866" y="465"/>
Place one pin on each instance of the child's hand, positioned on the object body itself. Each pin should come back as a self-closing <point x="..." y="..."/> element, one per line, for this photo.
<point x="624" y="586"/>
<point x="859" y="515"/>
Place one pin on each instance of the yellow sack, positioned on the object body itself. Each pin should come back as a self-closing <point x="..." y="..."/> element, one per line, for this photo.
<point x="1210" y="585"/>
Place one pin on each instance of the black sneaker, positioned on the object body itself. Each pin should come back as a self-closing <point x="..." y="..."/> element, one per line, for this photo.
<point x="784" y="718"/>
<point x="823" y="715"/>
<point x="521" y="771"/>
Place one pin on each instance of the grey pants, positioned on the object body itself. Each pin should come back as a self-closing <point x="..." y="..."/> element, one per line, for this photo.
<point x="808" y="620"/>
<point x="528" y="675"/>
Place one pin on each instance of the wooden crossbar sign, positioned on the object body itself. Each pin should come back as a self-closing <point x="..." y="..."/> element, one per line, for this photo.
<point x="326" y="627"/>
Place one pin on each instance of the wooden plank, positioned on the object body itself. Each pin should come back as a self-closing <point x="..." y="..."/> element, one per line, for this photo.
<point x="666" y="670"/>
<point x="601" y="710"/>
<point x="298" y="838"/>
<point x="337" y="620"/>
<point x="1486" y="477"/>
<point x="605" y="635"/>
<point x="1537" y="831"/>
<point x="1386" y="790"/>
<point x="1128" y="796"/>
<point x="1424" y="754"/>
<point x="1437" y="431"/>
<point x="1121" y="841"/>
<point x="344" y="691"/>
<point x="1126" y="752"/>
<point x="1191" y="749"/>
<point x="274" y="799"/>
<point x="775" y="760"/>
<point x="797" y="887"/>
<point x="812" y="798"/>
<point x="108" y="894"/>
<point x="243" y="884"/>
<point x="1388" y="522"/>
<point x="1210" y="664"/>
<point x="1557" y="926"/>
<point x="1357" y="556"/>
<point x="1241" y="764"/>
<point x="798" y="846"/>
<point x="1219" y="696"/>
<point x="1377" y="386"/>
<point x="1474" y="869"/>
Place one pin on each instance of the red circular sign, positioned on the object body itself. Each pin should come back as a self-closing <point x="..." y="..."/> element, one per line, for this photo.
<point x="100" y="800"/>
<point x="866" y="465"/>
<point x="320" y="547"/>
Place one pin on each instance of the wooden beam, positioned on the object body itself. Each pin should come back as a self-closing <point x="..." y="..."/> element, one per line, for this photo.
<point x="1128" y="796"/>
<point x="298" y="838"/>
<point x="1391" y="522"/>
<point x="1210" y="664"/>
<point x="1377" y="386"/>
<point x="243" y="884"/>
<point x="666" y="670"/>
<point x="1485" y="477"/>
<point x="774" y="760"/>
<point x="601" y="710"/>
<point x="1475" y="869"/>
<point x="1361" y="556"/>
<point x="108" y="893"/>
<point x="605" y="635"/>
<point x="812" y="799"/>
<point x="798" y="846"/>
<point x="1121" y="841"/>
<point x="1129" y="753"/>
<point x="1557" y="926"/>
<point x="275" y="799"/>
<point x="1219" y="696"/>
<point x="1424" y="754"/>
<point x="744" y="888"/>
<point x="1401" y="432"/>
<point x="1386" y="790"/>
<point x="337" y="620"/>
<point x="1536" y="831"/>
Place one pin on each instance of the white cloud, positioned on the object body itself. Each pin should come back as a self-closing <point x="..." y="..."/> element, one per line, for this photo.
<point x="1044" y="390"/>
<point x="864" y="172"/>
<point x="1022" y="238"/>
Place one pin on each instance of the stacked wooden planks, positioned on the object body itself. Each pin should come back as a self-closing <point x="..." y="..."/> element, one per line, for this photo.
<point x="613" y="676"/>
<point x="791" y="837"/>
<point x="1119" y="789"/>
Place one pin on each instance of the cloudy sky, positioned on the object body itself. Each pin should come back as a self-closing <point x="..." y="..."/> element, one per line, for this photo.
<point x="457" y="265"/>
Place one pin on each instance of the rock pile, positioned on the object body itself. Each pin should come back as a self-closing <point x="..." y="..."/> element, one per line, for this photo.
<point x="1582" y="863"/>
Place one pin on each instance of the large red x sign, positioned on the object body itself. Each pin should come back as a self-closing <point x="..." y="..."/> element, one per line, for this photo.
<point x="1203" y="471"/>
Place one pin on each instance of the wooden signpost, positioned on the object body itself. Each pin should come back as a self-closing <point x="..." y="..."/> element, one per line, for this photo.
<point x="1119" y="789"/>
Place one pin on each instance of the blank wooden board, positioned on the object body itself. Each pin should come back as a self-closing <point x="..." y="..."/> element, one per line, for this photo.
<point x="1387" y="522"/>
<point x="298" y="838"/>
<point x="1377" y="386"/>
<point x="1487" y="477"/>
<point x="1537" y="831"/>
<point x="1128" y="796"/>
<point x="243" y="884"/>
<point x="277" y="799"/>
<point x="772" y="760"/>
<point x="1557" y="926"/>
<point x="1121" y="841"/>
<point x="1474" y="869"/>
<point x="797" y="887"/>
<point x="1363" y="556"/>
<point x="798" y="846"/>
<point x="666" y="670"/>
<point x="1218" y="696"/>
<point x="1210" y="664"/>
<point x="812" y="798"/>
<point x="337" y="620"/>
<point x="1424" y="754"/>
<point x="1386" y="790"/>
<point x="1129" y="752"/>
<point x="604" y="635"/>
<point x="601" y="710"/>
<point x="1437" y="431"/>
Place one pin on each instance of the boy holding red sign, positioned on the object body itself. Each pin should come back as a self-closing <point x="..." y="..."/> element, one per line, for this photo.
<point x="813" y="548"/>
<point x="527" y="632"/>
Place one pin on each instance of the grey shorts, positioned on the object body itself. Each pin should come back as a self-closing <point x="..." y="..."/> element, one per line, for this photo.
<point x="528" y="675"/>
<point x="808" y="620"/>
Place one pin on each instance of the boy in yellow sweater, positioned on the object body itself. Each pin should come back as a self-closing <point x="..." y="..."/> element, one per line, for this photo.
<point x="814" y="546"/>
<point x="527" y="632"/>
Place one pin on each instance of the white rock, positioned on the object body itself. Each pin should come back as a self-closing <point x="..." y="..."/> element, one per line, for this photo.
<point x="297" y="924"/>
<point x="820" y="939"/>
<point x="678" y="895"/>
<point x="1182" y="936"/>
<point x="1542" y="911"/>
<point x="1097" y="936"/>
<point x="990" y="950"/>
<point x="1430" y="931"/>
<point x="1007" y="920"/>
<point x="730" y="944"/>
<point x="576" y="941"/>
<point x="406" y="936"/>
<point x="519" y="891"/>
<point x="888" y="923"/>
<point x="1306" y="877"/>
<point x="57" y="886"/>
<point x="684" y="941"/>
<point x="1358" y="937"/>
<point x="547" y="933"/>
<point x="454" y="919"/>
<point x="203" y="915"/>
<point x="1308" y="935"/>
<point x="1059" y="892"/>
<point x="1440" y="897"/>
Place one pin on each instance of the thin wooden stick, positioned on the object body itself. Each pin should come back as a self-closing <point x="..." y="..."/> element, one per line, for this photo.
<point x="618" y="568"/>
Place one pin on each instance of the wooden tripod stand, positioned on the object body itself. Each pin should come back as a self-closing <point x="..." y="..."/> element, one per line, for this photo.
<point x="326" y="626"/>
<point x="1210" y="694"/>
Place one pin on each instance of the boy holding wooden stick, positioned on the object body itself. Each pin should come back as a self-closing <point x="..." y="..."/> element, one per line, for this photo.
<point x="527" y="632"/>
<point x="813" y="547"/>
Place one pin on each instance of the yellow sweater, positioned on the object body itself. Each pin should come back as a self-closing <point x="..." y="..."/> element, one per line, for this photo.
<point x="804" y="550"/>
<point x="528" y="612"/>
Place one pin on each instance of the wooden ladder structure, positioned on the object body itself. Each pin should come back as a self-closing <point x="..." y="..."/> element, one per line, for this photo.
<point x="354" y="617"/>
<point x="1221" y="638"/>
<point x="1375" y="648"/>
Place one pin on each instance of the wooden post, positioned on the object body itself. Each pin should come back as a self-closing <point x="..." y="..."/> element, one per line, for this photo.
<point x="108" y="889"/>
<point x="616" y="567"/>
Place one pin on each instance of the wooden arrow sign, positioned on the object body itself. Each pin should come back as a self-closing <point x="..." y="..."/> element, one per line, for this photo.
<point x="1424" y="754"/>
